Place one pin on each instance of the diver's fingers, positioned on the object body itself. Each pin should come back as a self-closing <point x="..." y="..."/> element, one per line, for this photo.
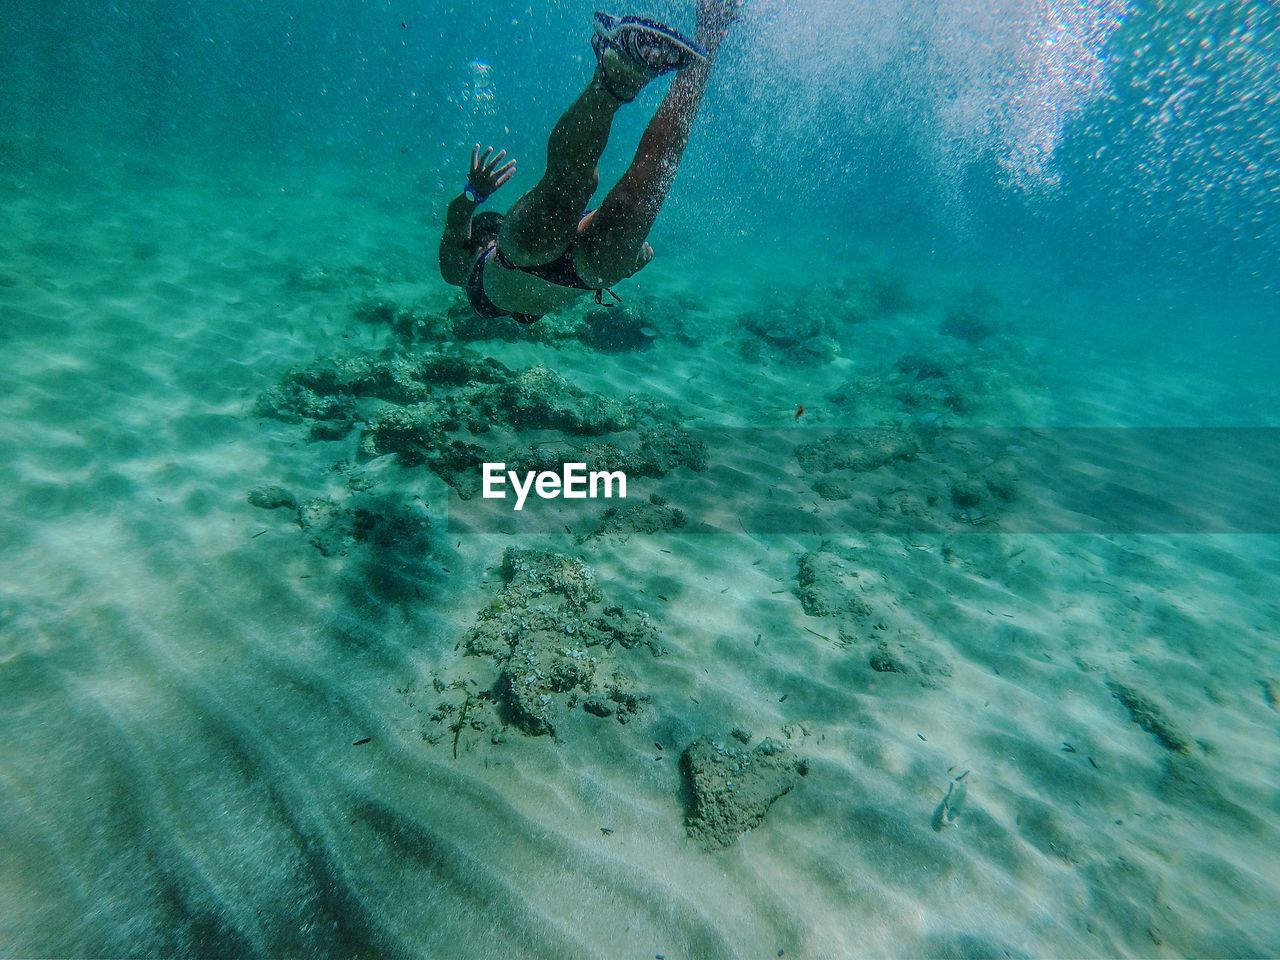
<point x="475" y="157"/>
<point x="505" y="174"/>
<point x="493" y="164"/>
<point x="484" y="161"/>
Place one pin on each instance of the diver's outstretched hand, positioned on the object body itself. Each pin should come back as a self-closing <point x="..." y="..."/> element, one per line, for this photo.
<point x="487" y="172"/>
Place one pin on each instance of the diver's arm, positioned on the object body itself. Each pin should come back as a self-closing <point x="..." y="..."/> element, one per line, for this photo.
<point x="455" y="245"/>
<point x="487" y="174"/>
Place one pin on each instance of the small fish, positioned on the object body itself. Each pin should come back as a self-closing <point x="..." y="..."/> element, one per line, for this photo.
<point x="800" y="411"/>
<point x="607" y="831"/>
<point x="403" y="25"/>
<point x="945" y="814"/>
<point x="361" y="742"/>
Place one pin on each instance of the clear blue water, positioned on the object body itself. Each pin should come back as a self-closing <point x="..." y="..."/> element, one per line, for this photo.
<point x="1117" y="149"/>
<point x="1107" y="138"/>
<point x="197" y="198"/>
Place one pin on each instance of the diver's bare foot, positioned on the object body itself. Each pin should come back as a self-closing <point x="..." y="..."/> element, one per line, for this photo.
<point x="621" y="78"/>
<point x="625" y="79"/>
<point x="714" y="19"/>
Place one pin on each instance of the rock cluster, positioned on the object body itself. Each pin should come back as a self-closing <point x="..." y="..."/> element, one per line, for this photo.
<point x="552" y="638"/>
<point x="452" y="413"/>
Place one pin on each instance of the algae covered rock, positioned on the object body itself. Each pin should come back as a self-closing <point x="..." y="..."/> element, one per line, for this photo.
<point x="731" y="789"/>
<point x="328" y="526"/>
<point x="624" y="699"/>
<point x="658" y="451"/>
<point x="830" y="488"/>
<point x="647" y="516"/>
<point x="396" y="528"/>
<point x="411" y="432"/>
<point x="438" y="409"/>
<point x="553" y="636"/>
<point x="906" y="656"/>
<point x="858" y="450"/>
<point x="295" y="402"/>
<point x="539" y="398"/>
<point x="536" y="671"/>
<point x="799" y="333"/>
<point x="828" y="588"/>
<point x="270" y="497"/>
<point x="627" y="628"/>
<point x="665" y="447"/>
<point x="540" y="575"/>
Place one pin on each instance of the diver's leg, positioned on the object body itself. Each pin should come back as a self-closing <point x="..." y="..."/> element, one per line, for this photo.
<point x="543" y="222"/>
<point x="611" y="242"/>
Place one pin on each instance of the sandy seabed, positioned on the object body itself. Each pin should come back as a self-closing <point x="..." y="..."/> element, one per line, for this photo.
<point x="218" y="739"/>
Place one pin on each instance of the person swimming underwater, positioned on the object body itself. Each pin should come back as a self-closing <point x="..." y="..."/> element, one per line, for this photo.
<point x="546" y="252"/>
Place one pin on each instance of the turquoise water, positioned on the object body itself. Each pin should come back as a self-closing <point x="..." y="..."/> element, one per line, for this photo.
<point x="276" y="681"/>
